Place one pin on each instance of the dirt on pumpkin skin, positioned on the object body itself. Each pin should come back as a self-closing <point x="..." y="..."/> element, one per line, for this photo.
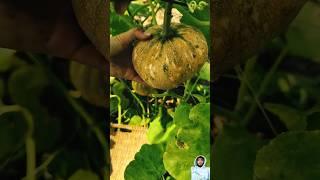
<point x="167" y="63"/>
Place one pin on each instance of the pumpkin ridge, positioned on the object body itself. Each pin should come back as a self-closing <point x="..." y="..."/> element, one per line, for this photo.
<point x="189" y="44"/>
<point x="169" y="42"/>
<point x="175" y="51"/>
<point x="161" y="48"/>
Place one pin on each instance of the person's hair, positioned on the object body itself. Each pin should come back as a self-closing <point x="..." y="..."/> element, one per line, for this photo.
<point x="200" y="157"/>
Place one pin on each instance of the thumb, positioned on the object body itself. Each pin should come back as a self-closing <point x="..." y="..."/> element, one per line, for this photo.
<point x="122" y="41"/>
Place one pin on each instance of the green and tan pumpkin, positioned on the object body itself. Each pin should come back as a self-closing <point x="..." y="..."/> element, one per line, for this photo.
<point x="165" y="63"/>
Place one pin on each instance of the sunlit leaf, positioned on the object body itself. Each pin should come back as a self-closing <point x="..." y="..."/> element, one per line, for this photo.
<point x="157" y="132"/>
<point x="181" y="115"/>
<point x="147" y="164"/>
<point x="205" y="72"/>
<point x="191" y="140"/>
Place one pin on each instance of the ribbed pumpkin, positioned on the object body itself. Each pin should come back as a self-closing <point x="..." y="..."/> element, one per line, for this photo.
<point x="142" y="89"/>
<point x="165" y="63"/>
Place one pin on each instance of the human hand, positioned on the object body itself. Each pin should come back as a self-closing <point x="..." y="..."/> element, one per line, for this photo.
<point x="121" y="54"/>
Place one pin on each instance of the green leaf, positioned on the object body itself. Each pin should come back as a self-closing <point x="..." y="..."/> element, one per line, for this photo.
<point x="113" y="105"/>
<point x="181" y="115"/>
<point x="205" y="72"/>
<point x="12" y="134"/>
<point x="189" y="19"/>
<point x="157" y="133"/>
<point x="191" y="140"/>
<point x="68" y="161"/>
<point x="138" y="9"/>
<point x="26" y="87"/>
<point x="234" y="154"/>
<point x="119" y="23"/>
<point x="119" y="89"/>
<point x="292" y="118"/>
<point x="169" y="178"/>
<point x="181" y="151"/>
<point x="252" y="73"/>
<point x="290" y="156"/>
<point x="135" y="120"/>
<point x="147" y="164"/>
<point x="200" y="98"/>
<point x="6" y="59"/>
<point x="303" y="35"/>
<point x="28" y="80"/>
<point x="201" y="114"/>
<point x="84" y="175"/>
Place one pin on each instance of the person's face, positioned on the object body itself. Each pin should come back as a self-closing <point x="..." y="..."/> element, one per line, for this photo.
<point x="200" y="162"/>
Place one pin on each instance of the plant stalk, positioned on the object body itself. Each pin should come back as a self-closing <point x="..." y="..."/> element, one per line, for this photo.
<point x="167" y="19"/>
<point x="153" y="13"/>
<point x="264" y="84"/>
<point x="29" y="141"/>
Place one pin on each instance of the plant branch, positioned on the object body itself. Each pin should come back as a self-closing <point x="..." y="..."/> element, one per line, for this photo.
<point x="29" y="141"/>
<point x="257" y="101"/>
<point x="167" y="19"/>
<point x="74" y="104"/>
<point x="119" y="107"/>
<point x="265" y="84"/>
<point x="153" y="13"/>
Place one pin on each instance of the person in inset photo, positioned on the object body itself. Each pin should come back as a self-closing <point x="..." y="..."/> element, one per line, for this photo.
<point x="199" y="171"/>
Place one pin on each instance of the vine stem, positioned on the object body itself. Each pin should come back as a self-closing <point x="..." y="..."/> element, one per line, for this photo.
<point x="167" y="19"/>
<point x="137" y="99"/>
<point x="141" y="105"/>
<point x="256" y="99"/>
<point x="153" y="21"/>
<point x="119" y="108"/>
<point x="46" y="163"/>
<point x="74" y="104"/>
<point x="192" y="88"/>
<point x="243" y="90"/>
<point x="29" y="141"/>
<point x="264" y="84"/>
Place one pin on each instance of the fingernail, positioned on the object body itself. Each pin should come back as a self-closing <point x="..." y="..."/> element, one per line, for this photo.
<point x="147" y="33"/>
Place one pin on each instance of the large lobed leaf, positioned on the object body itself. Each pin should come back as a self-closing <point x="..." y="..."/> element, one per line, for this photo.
<point x="234" y="154"/>
<point x="147" y="164"/>
<point x="290" y="156"/>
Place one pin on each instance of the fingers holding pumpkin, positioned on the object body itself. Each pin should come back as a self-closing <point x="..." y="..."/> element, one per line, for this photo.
<point x="124" y="73"/>
<point x="120" y="53"/>
<point x="122" y="41"/>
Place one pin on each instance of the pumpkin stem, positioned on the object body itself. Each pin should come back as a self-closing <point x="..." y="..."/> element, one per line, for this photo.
<point x="167" y="19"/>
